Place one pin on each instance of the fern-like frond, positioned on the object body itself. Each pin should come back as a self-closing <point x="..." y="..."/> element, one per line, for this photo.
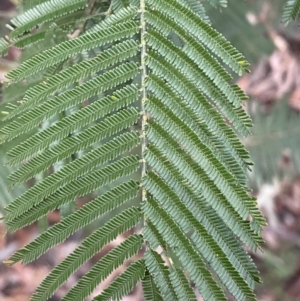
<point x="224" y="181"/>
<point x="118" y="4"/>
<point x="181" y="61"/>
<point x="130" y="101"/>
<point x="181" y="285"/>
<point x="77" y="188"/>
<point x="213" y="75"/>
<point x="104" y="268"/>
<point x="124" y="284"/>
<point x="67" y="49"/>
<point x="28" y="4"/>
<point x="204" y="109"/>
<point x="90" y="246"/>
<point x="29" y="39"/>
<point x="218" y="3"/>
<point x="44" y="12"/>
<point x="64" y="101"/>
<point x="49" y="29"/>
<point x="62" y="129"/>
<point x="71" y="145"/>
<point x="4" y="46"/>
<point x="153" y="237"/>
<point x="186" y="253"/>
<point x="82" y="217"/>
<point x="150" y="289"/>
<point x="208" y="248"/>
<point x="72" y="171"/>
<point x="75" y="73"/>
<point x="161" y="274"/>
<point x="183" y="111"/>
<point x="190" y="22"/>
<point x="198" y="179"/>
<point x="197" y="7"/>
<point x="195" y="203"/>
<point x="168" y="117"/>
<point x="291" y="11"/>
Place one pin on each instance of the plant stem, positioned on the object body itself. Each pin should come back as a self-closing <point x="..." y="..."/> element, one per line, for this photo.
<point x="144" y="92"/>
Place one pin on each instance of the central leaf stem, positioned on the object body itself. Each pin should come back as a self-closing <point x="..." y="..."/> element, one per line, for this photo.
<point x="144" y="91"/>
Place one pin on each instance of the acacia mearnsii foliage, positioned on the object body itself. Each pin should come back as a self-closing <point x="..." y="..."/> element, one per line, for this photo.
<point x="130" y="103"/>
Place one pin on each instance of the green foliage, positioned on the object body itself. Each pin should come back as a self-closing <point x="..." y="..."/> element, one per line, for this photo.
<point x="124" y="283"/>
<point x="3" y="47"/>
<point x="28" y="4"/>
<point x="291" y="11"/>
<point x="150" y="289"/>
<point x="90" y="246"/>
<point x="7" y="196"/>
<point x="46" y="11"/>
<point x="218" y="3"/>
<point x="137" y="107"/>
<point x="104" y="268"/>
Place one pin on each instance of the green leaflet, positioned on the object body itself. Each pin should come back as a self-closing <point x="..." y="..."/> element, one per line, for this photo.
<point x="3" y="47"/>
<point x="205" y="215"/>
<point x="153" y="237"/>
<point x="75" y="73"/>
<point x="197" y="7"/>
<point x="208" y="36"/>
<point x="90" y="246"/>
<point x="110" y="126"/>
<point x="118" y="4"/>
<point x="32" y="3"/>
<point x="104" y="268"/>
<point x="121" y="4"/>
<point x="218" y="3"/>
<point x="161" y="275"/>
<point x="187" y="255"/>
<point x="66" y="100"/>
<point x="46" y="11"/>
<point x="77" y="188"/>
<point x="210" y="75"/>
<point x="191" y="95"/>
<point x="202" y="185"/>
<point x="150" y="289"/>
<point x="291" y="11"/>
<point x="69" y="48"/>
<point x="79" y="167"/>
<point x="181" y="109"/>
<point x="225" y="182"/>
<point x="81" y="118"/>
<point x="121" y="16"/>
<point x="209" y="250"/>
<point x="173" y="54"/>
<point x="76" y="221"/>
<point x="181" y="285"/>
<point x="29" y="40"/>
<point x="124" y="283"/>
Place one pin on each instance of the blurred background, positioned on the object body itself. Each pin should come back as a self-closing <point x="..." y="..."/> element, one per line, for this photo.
<point x="273" y="86"/>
